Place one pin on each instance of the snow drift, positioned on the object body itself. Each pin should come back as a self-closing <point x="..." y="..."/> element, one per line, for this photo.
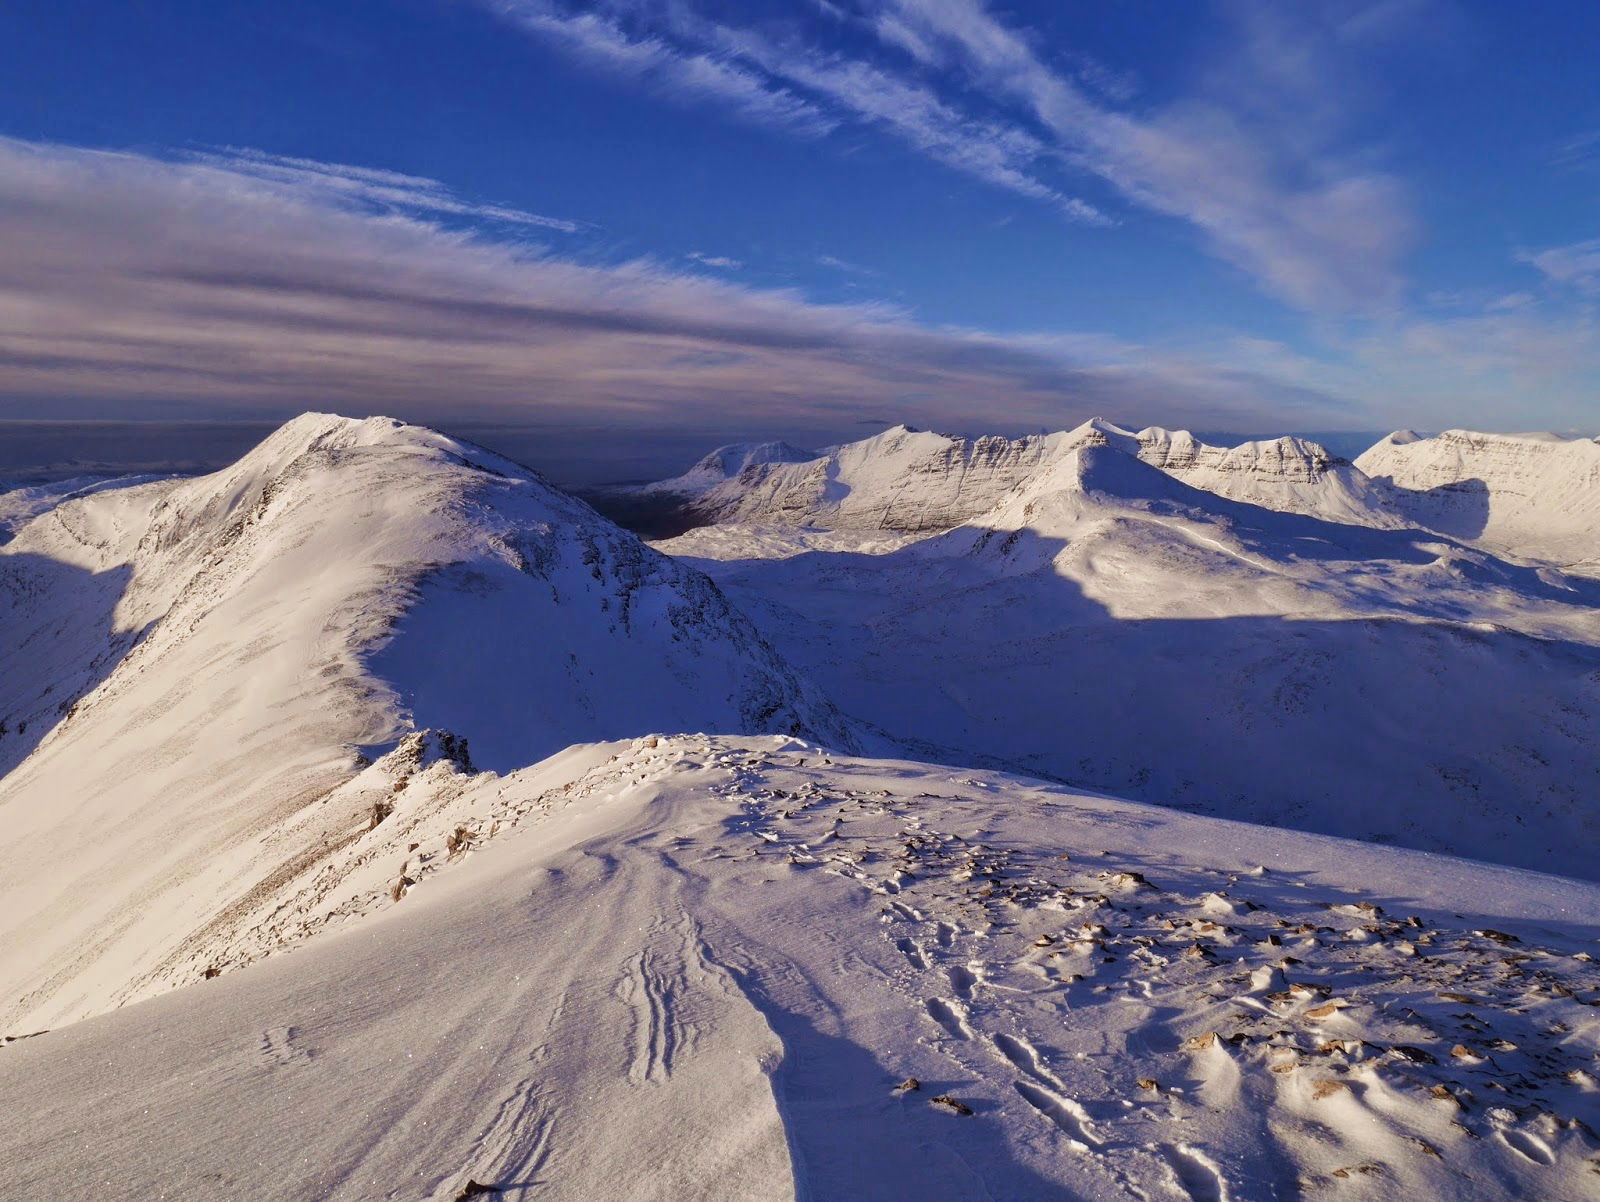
<point x="751" y="968"/>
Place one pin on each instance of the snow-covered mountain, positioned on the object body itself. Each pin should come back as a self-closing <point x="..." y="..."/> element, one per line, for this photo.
<point x="911" y="480"/>
<point x="1293" y="475"/>
<point x="1536" y="496"/>
<point x="380" y="698"/>
<point x="198" y="670"/>
<point x="1107" y="624"/>
<point x="728" y="463"/>
<point x="21" y="503"/>
<point x="706" y="969"/>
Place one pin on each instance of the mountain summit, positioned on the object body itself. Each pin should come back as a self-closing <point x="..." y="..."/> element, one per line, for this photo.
<point x="207" y="660"/>
<point x="1536" y="496"/>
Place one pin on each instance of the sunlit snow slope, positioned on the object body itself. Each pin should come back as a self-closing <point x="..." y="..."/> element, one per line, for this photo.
<point x="1105" y="623"/>
<point x="1531" y="495"/>
<point x="195" y="668"/>
<point x="334" y="764"/>
<point x="916" y="480"/>
<point x="747" y="968"/>
<point x="20" y="504"/>
<point x="728" y="463"/>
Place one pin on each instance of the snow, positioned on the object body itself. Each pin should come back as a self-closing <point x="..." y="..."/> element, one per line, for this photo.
<point x="21" y="503"/>
<point x="208" y="659"/>
<point x="1109" y="625"/>
<point x="341" y="863"/>
<point x="1536" y="496"/>
<point x="910" y="480"/>
<point x="1133" y="1002"/>
<point x="728" y="463"/>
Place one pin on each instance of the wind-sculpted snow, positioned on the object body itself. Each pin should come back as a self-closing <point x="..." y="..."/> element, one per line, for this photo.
<point x="1109" y="625"/>
<point x="699" y="968"/>
<point x="1536" y="496"/>
<point x="200" y="665"/>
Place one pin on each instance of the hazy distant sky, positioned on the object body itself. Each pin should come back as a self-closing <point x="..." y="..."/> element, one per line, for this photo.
<point x="804" y="217"/>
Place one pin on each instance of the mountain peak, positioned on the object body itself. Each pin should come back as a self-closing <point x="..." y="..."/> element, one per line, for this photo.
<point x="1099" y="427"/>
<point x="237" y="636"/>
<point x="728" y="463"/>
<point x="906" y="480"/>
<point x="1530" y="494"/>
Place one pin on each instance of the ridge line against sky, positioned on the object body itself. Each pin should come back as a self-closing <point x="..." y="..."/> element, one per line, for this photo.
<point x="847" y="211"/>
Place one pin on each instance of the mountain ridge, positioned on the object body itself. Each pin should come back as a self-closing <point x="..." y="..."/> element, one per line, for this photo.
<point x="752" y="968"/>
<point x="915" y="481"/>
<point x="1107" y="624"/>
<point x="212" y="658"/>
<point x="1532" y="496"/>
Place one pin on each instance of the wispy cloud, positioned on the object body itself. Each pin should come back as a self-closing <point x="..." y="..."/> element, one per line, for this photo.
<point x="998" y="152"/>
<point x="129" y="280"/>
<point x="369" y="188"/>
<point x="603" y="42"/>
<point x="1253" y="158"/>
<point x="722" y="262"/>
<point x="1577" y="264"/>
<point x="786" y="83"/>
<point x="1581" y="152"/>
<point x="1480" y="369"/>
<point x="835" y="263"/>
<point x="1249" y="160"/>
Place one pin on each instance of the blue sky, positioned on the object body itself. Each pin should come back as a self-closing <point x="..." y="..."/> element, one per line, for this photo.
<point x="803" y="218"/>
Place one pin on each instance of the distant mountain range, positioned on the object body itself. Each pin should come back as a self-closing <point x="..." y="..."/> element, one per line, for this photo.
<point x="1529" y="495"/>
<point x="1256" y="631"/>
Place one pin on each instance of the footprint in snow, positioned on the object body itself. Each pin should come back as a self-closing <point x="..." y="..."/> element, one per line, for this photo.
<point x="949" y="1016"/>
<point x="1199" y="1175"/>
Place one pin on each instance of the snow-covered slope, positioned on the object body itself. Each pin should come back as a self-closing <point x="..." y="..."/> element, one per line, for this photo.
<point x="1536" y="496"/>
<point x="1532" y="495"/>
<point x="21" y="503"/>
<point x="295" y="707"/>
<point x="1112" y="626"/>
<point x="749" y="968"/>
<point x="728" y="463"/>
<point x="195" y="669"/>
<point x="908" y="480"/>
<point x="1293" y="475"/>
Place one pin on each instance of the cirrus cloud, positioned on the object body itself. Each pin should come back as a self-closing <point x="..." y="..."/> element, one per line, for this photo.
<point x="1254" y="157"/>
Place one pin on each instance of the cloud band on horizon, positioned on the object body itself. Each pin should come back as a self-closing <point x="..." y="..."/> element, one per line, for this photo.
<point x="259" y="285"/>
